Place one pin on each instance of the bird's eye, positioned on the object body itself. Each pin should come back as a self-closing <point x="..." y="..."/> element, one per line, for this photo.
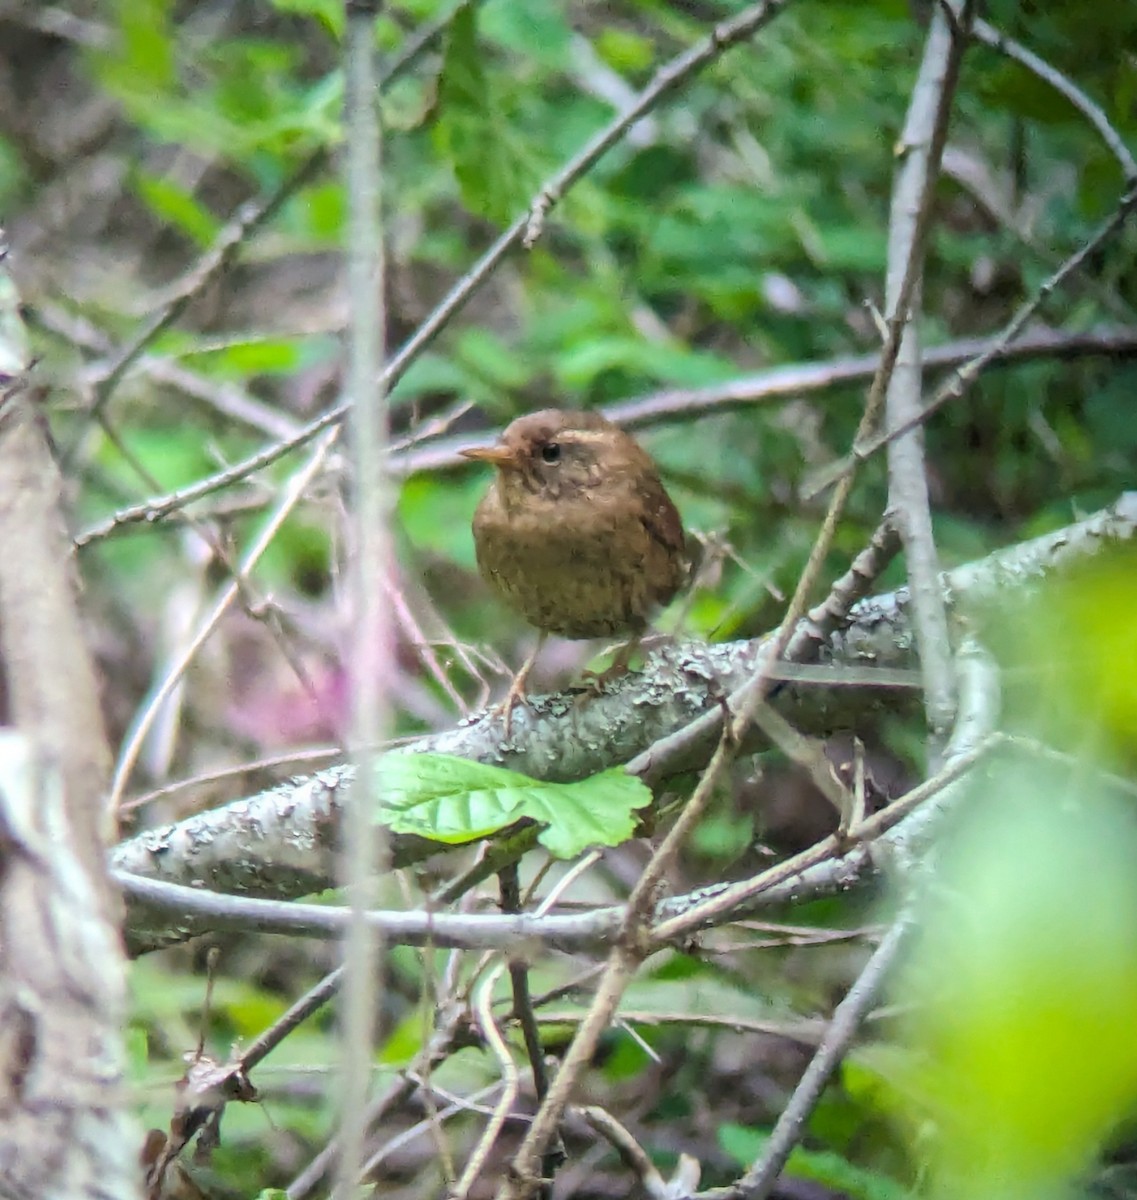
<point x="551" y="452"/>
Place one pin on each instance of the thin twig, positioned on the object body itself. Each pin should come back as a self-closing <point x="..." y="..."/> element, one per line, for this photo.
<point x="510" y="1085"/>
<point x="312" y="1001"/>
<point x="666" y="80"/>
<point x="959" y="383"/>
<point x="249" y="218"/>
<point x="373" y="664"/>
<point x="925" y="132"/>
<point x="519" y="980"/>
<point x="454" y="1109"/>
<point x="770" y="386"/>
<point x="291" y="495"/>
<point x="759" y="1181"/>
<point x="997" y="40"/>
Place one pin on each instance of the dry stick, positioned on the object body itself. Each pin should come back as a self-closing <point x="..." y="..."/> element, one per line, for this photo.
<point x="759" y="1181"/>
<point x="971" y="740"/>
<point x="256" y="608"/>
<point x="667" y="79"/>
<point x="425" y="1126"/>
<point x="905" y="823"/>
<point x="510" y="1086"/>
<point x="922" y="142"/>
<point x="593" y="930"/>
<point x="291" y="496"/>
<point x="312" y="1001"/>
<point x="313" y="757"/>
<point x="685" y="1178"/>
<point x="446" y="1039"/>
<point x="805" y="1031"/>
<point x="978" y="713"/>
<point x="249" y="218"/>
<point x="519" y="979"/>
<point x="793" y="380"/>
<point x="372" y="664"/>
<point x="654" y="764"/>
<point x="440" y="1047"/>
<point x="997" y="40"/>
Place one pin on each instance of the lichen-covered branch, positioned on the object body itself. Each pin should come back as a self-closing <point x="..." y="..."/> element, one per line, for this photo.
<point x="279" y="843"/>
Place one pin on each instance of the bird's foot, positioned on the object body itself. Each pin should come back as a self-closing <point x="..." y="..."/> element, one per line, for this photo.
<point x="515" y="696"/>
<point x="517" y="689"/>
<point x="596" y="681"/>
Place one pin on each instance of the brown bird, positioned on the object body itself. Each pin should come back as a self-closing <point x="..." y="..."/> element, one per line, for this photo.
<point x="576" y="533"/>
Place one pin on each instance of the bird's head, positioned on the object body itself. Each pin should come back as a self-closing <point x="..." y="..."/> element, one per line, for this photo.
<point x="557" y="452"/>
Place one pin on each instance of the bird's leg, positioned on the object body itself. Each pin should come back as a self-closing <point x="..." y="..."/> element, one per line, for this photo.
<point x="516" y="693"/>
<point x="619" y="667"/>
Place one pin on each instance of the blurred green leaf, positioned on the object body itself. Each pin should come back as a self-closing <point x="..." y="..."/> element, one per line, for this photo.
<point x="146" y="47"/>
<point x="255" y="354"/>
<point x="172" y="203"/>
<point x="436" y="514"/>
<point x="329" y="13"/>
<point x="579" y="365"/>
<point x="744" y="1145"/>
<point x="499" y="365"/>
<point x="534" y="28"/>
<point x="471" y="131"/>
<point x="1022" y="988"/>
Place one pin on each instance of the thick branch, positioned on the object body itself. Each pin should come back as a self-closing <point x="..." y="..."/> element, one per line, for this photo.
<point x="279" y="843"/>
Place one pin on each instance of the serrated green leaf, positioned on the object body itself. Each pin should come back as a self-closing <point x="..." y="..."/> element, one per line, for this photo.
<point x="471" y="131"/>
<point x="448" y="799"/>
<point x="454" y="800"/>
<point x="594" y="812"/>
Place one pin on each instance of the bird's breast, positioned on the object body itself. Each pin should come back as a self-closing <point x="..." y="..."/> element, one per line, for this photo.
<point x="578" y="567"/>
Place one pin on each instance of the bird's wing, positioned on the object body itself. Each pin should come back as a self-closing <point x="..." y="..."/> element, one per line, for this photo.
<point x="665" y="529"/>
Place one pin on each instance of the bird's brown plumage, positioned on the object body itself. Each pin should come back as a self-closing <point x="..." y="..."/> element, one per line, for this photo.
<point x="576" y="532"/>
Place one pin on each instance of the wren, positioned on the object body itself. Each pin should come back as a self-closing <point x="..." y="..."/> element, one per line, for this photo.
<point x="576" y="533"/>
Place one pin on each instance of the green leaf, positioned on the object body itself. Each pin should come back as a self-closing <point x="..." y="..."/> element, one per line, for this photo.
<point x="1021" y="992"/>
<point x="580" y="365"/>
<point x="177" y="206"/>
<point x="744" y="1145"/>
<point x="593" y="812"/>
<point x="537" y="29"/>
<point x="471" y="131"/>
<point x="146" y="47"/>
<point x="254" y="354"/>
<point x="454" y="800"/>
<point x="328" y="12"/>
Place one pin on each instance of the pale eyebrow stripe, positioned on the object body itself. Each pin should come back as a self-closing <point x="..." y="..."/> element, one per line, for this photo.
<point x="580" y="435"/>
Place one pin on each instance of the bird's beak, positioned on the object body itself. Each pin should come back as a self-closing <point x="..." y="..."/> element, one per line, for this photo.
<point x="500" y="456"/>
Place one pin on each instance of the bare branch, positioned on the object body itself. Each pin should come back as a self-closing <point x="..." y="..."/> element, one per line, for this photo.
<point x="279" y="842"/>
<point x="759" y="1181"/>
<point x="666" y="80"/>
<point x="997" y="40"/>
<point x="922" y="143"/>
<point x="65" y="1130"/>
